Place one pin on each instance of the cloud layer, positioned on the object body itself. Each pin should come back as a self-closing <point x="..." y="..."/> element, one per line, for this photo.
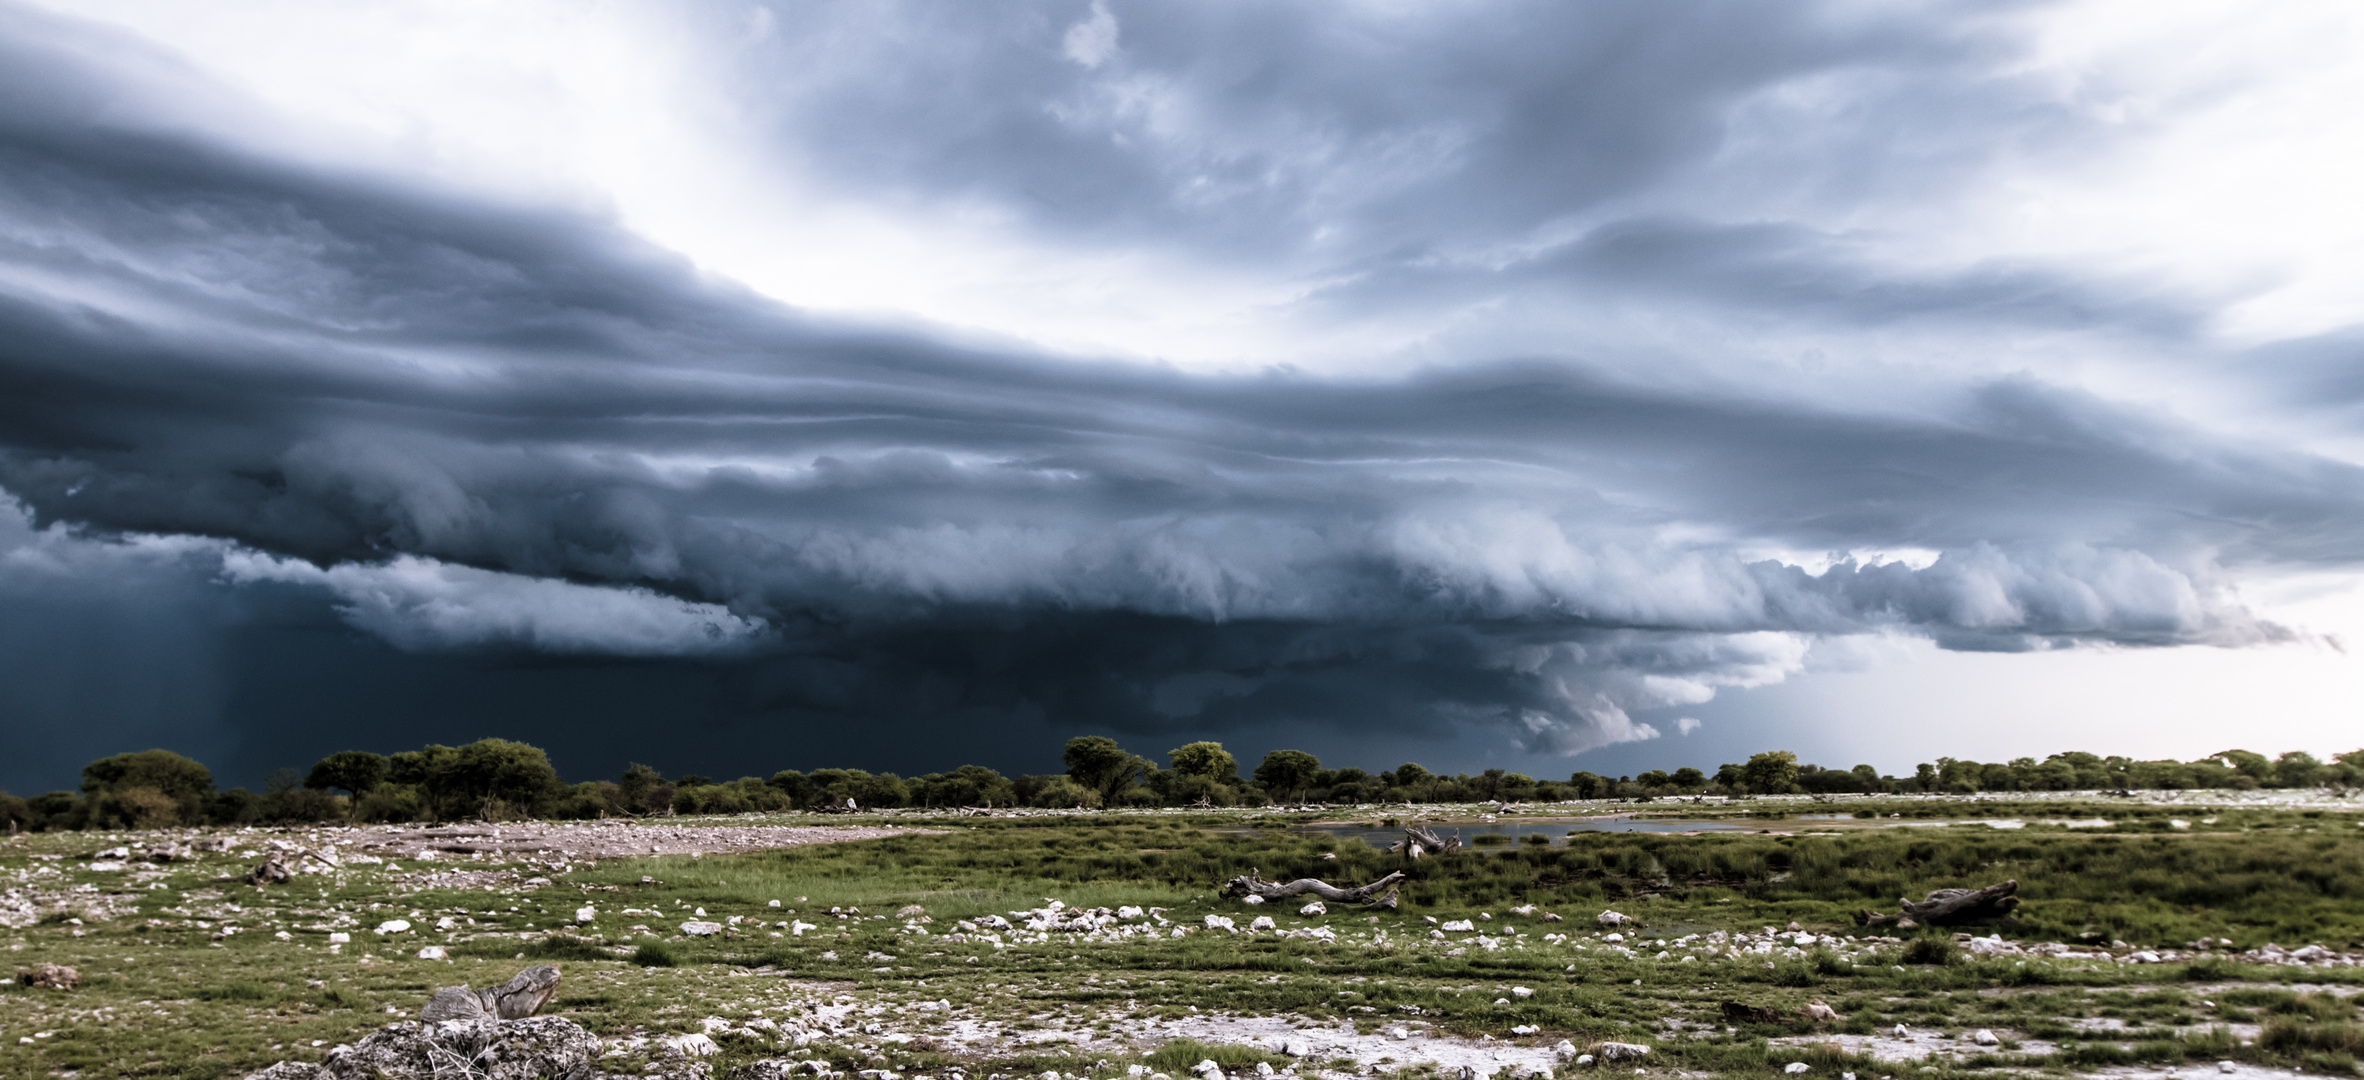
<point x="468" y="424"/>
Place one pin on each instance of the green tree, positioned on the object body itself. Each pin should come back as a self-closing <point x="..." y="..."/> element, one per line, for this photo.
<point x="183" y="782"/>
<point x="1288" y="772"/>
<point x="1770" y="773"/>
<point x="179" y="778"/>
<point x="1101" y="766"/>
<point x="1205" y="760"/>
<point x="355" y="771"/>
<point x="1407" y="774"/>
<point x="1689" y="779"/>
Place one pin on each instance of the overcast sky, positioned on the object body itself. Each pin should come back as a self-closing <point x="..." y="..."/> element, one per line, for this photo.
<point x="735" y="387"/>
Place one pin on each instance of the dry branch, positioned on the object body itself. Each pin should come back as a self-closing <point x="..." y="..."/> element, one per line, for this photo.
<point x="1418" y="841"/>
<point x="1366" y="895"/>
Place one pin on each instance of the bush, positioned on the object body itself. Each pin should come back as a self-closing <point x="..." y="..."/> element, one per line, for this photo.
<point x="1063" y="793"/>
<point x="654" y="955"/>
<point x="1932" y="949"/>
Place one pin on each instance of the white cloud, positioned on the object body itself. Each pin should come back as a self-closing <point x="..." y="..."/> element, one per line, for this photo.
<point x="422" y="604"/>
<point x="1686" y="725"/>
<point x="1092" y="41"/>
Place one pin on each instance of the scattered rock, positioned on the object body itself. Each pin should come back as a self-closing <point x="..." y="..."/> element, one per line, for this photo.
<point x="49" y="977"/>
<point x="1220" y="922"/>
<point x="434" y="952"/>
<point x="1314" y="908"/>
<point x="394" y="926"/>
<point x="1263" y="922"/>
<point x="530" y="1049"/>
<point x="1618" y="1051"/>
<point x="695" y="1044"/>
<point x="765" y="1069"/>
<point x="910" y="911"/>
<point x="586" y="913"/>
<point x="1796" y="1067"/>
<point x="1613" y="918"/>
<point x="522" y="996"/>
<point x="1522" y="992"/>
<point x="1565" y="1050"/>
<point x="1818" y="1011"/>
<point x="1983" y="1037"/>
<point x="698" y="928"/>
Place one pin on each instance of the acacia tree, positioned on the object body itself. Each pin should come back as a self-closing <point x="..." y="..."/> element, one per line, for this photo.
<point x="1770" y="773"/>
<point x="355" y="771"/>
<point x="1288" y="772"/>
<point x="1206" y="760"/>
<point x="155" y="786"/>
<point x="1100" y="766"/>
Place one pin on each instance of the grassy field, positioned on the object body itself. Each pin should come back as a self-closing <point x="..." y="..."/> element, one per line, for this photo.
<point x="167" y="994"/>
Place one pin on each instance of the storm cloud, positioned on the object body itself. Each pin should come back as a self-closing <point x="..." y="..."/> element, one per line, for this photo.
<point x="293" y="394"/>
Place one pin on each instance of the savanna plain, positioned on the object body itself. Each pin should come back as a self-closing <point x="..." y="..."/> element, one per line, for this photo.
<point x="2180" y="932"/>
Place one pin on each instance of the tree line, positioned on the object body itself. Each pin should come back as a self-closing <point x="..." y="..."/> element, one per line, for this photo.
<point x="498" y="779"/>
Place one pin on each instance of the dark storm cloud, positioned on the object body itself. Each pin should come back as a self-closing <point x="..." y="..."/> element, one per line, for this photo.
<point x="477" y="429"/>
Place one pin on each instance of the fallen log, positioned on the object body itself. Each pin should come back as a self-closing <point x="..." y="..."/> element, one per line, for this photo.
<point x="1369" y="896"/>
<point x="1951" y="907"/>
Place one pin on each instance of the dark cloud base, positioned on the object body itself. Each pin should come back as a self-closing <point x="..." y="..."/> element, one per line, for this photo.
<point x="336" y="459"/>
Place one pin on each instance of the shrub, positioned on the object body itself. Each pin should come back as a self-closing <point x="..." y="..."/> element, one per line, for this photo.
<point x="654" y="954"/>
<point x="1063" y="793"/>
<point x="1931" y="949"/>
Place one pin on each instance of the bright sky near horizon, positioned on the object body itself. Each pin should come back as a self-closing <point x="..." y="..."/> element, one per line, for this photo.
<point x="1487" y="382"/>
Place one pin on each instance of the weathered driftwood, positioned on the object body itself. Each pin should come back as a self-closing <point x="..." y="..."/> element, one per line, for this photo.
<point x="1418" y="842"/>
<point x="1367" y="895"/>
<point x="522" y="996"/>
<point x="1952" y="907"/>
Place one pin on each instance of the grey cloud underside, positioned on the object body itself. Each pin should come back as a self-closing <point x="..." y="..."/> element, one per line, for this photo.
<point x="327" y="366"/>
<point x="1357" y="132"/>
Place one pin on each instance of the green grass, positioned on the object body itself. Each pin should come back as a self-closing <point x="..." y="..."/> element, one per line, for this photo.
<point x="164" y="999"/>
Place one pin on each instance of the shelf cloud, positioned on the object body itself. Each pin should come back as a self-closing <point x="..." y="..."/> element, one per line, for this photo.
<point x="1570" y="487"/>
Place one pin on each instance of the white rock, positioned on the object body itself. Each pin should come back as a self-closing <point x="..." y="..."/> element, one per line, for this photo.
<point x="1399" y="1033"/>
<point x="1983" y="1037"/>
<point x="2224" y="1066"/>
<point x="1207" y="1067"/>
<point x="284" y="936"/>
<point x="1251" y="898"/>
<point x="2145" y="957"/>
<point x="1617" y="1051"/>
<point x="694" y="928"/>
<point x="1220" y="922"/>
<point x="585" y="914"/>
<point x="1564" y="1050"/>
<point x="701" y="913"/>
<point x="695" y="1044"/>
<point x="1612" y="918"/>
<point x="339" y="938"/>
<point x="1315" y="908"/>
<point x="1614" y="938"/>
<point x="1264" y="1068"/>
<point x="714" y="1024"/>
<point x="434" y="952"/>
<point x="1584" y="1059"/>
<point x="1526" y="1029"/>
<point x="799" y="926"/>
<point x="1796" y="1067"/>
<point x="1459" y="926"/>
<point x="1263" y="922"/>
<point x="394" y="926"/>
<point x="1903" y="1032"/>
<point x="1130" y="912"/>
<point x="1136" y="1069"/>
<point x="1521" y="992"/>
<point x="774" y="903"/>
<point x="447" y="923"/>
